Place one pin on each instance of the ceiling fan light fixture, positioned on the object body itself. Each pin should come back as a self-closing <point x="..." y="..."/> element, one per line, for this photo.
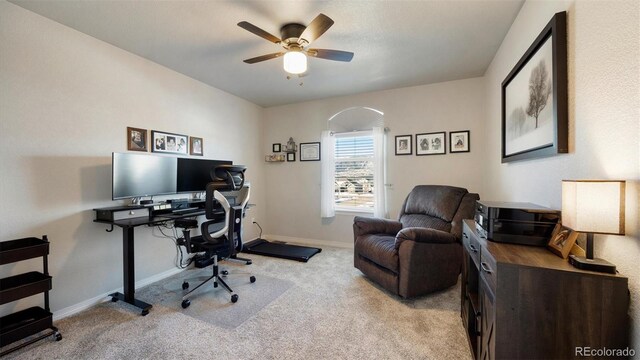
<point x="295" y="62"/>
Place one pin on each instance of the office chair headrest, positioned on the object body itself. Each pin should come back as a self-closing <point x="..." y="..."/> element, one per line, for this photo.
<point x="228" y="177"/>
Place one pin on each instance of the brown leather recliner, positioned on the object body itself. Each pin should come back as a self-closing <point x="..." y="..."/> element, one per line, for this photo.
<point x="422" y="252"/>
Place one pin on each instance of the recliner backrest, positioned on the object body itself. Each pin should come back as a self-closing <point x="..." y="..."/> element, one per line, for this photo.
<point x="437" y="207"/>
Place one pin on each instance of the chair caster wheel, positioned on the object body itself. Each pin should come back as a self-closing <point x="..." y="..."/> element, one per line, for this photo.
<point x="249" y="262"/>
<point x="185" y="303"/>
<point x="215" y="285"/>
<point x="234" y="298"/>
<point x="252" y="279"/>
<point x="114" y="299"/>
<point x="58" y="336"/>
<point x="185" y="285"/>
<point x="224" y="272"/>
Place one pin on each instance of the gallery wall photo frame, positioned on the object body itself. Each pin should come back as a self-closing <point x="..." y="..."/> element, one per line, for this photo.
<point x="291" y="156"/>
<point x="276" y="148"/>
<point x="434" y="143"/>
<point x="403" y="145"/>
<point x="196" y="146"/>
<point x="310" y="151"/>
<point x="136" y="139"/>
<point x="459" y="141"/>
<point x="169" y="143"/>
<point x="534" y="98"/>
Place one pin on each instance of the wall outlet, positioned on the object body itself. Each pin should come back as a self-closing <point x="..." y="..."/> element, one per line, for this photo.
<point x="253" y="220"/>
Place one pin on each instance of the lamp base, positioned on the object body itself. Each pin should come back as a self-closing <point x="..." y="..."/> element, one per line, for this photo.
<point x="598" y="265"/>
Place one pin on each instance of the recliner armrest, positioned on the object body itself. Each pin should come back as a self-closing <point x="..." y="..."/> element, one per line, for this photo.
<point x="366" y="225"/>
<point x="424" y="235"/>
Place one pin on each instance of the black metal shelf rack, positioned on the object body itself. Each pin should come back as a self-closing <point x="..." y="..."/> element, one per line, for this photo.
<point x="34" y="320"/>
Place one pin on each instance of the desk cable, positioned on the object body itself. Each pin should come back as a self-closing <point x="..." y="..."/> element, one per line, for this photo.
<point x="179" y="260"/>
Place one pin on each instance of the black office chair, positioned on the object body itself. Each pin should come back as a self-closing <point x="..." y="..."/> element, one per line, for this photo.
<point x="220" y="232"/>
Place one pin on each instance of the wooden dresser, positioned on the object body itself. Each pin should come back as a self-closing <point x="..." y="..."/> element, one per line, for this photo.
<point x="523" y="302"/>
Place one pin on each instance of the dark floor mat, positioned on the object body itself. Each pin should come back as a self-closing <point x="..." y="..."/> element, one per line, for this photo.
<point x="279" y="250"/>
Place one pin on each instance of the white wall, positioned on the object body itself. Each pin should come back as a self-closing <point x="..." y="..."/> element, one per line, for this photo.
<point x="65" y="102"/>
<point x="293" y="198"/>
<point x="604" y="115"/>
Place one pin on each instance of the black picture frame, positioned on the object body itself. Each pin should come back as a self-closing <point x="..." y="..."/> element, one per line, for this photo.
<point x="405" y="148"/>
<point x="545" y="144"/>
<point x="310" y="151"/>
<point x="276" y="148"/>
<point x="170" y="143"/>
<point x="440" y="139"/>
<point x="291" y="156"/>
<point x="455" y="146"/>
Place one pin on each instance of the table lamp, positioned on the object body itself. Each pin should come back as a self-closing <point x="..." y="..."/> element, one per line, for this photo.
<point x="593" y="207"/>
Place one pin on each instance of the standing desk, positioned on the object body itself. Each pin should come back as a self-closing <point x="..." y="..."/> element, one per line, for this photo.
<point x="128" y="263"/>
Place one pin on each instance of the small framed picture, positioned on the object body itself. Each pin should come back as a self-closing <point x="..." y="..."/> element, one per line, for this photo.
<point x="136" y="139"/>
<point x="291" y="156"/>
<point x="168" y="143"/>
<point x="195" y="146"/>
<point x="276" y="148"/>
<point x="431" y="143"/>
<point x="562" y="240"/>
<point x="310" y="151"/>
<point x="459" y="141"/>
<point x="403" y="145"/>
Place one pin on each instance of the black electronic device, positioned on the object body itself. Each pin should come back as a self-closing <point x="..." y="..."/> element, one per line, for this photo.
<point x="516" y="223"/>
<point x="138" y="175"/>
<point x="195" y="174"/>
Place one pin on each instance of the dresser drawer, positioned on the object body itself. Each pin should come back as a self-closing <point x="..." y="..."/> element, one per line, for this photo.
<point x="488" y="268"/>
<point x="471" y="245"/>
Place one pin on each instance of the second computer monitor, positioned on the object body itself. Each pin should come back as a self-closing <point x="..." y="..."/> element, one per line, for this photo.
<point x="195" y="174"/>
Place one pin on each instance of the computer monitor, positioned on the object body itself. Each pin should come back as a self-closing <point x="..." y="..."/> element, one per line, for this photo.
<point x="136" y="175"/>
<point x="195" y="174"/>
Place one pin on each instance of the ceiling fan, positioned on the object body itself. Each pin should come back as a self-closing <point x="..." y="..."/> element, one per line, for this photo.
<point x="295" y="40"/>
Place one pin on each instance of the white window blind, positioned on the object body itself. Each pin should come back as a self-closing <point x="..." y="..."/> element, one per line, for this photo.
<point x="354" y="171"/>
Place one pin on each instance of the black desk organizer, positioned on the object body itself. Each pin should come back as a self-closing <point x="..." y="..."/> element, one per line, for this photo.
<point x="34" y="320"/>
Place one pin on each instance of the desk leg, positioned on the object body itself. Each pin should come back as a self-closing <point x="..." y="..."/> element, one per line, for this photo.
<point x="128" y="262"/>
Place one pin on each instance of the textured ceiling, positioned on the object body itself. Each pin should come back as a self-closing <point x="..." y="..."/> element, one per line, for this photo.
<point x="396" y="43"/>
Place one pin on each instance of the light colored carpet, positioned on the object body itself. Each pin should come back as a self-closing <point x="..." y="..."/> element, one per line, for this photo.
<point x="211" y="304"/>
<point x="331" y="312"/>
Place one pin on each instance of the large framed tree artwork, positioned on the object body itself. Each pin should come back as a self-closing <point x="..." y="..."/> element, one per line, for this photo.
<point x="534" y="98"/>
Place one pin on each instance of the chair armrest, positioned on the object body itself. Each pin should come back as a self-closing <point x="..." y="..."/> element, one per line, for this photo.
<point x="424" y="235"/>
<point x="366" y="225"/>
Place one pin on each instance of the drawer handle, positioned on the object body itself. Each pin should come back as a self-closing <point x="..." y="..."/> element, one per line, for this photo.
<point x="473" y="248"/>
<point x="486" y="268"/>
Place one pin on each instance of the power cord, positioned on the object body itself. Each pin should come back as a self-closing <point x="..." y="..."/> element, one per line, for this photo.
<point x="260" y="227"/>
<point x="179" y="260"/>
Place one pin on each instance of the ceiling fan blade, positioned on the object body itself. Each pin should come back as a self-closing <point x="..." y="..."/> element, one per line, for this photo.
<point x="263" y="58"/>
<point x="316" y="28"/>
<point x="336" y="55"/>
<point x="257" y="31"/>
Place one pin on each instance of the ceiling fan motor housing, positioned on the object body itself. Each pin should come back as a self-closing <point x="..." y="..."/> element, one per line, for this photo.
<point x="290" y="33"/>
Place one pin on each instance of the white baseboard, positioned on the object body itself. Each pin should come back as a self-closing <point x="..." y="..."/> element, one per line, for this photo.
<point x="316" y="242"/>
<point x="74" y="309"/>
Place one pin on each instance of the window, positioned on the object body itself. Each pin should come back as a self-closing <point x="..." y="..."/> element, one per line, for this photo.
<point x="354" y="171"/>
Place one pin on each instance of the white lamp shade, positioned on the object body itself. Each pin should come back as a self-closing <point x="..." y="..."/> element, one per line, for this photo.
<point x="593" y="206"/>
<point x="295" y="62"/>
